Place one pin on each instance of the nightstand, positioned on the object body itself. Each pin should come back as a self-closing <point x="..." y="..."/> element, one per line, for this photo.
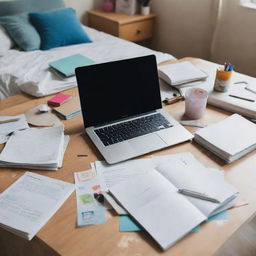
<point x="133" y="28"/>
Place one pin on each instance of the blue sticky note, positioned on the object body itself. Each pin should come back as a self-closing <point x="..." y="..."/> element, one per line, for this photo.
<point x="196" y="229"/>
<point x="219" y="216"/>
<point x="127" y="224"/>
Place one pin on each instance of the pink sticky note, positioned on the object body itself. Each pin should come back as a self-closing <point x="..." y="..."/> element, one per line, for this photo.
<point x="59" y="99"/>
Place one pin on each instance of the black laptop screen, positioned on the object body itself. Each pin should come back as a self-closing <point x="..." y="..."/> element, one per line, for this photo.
<point x="115" y="90"/>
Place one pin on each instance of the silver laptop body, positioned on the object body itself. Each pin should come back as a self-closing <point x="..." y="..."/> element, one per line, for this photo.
<point x="122" y="109"/>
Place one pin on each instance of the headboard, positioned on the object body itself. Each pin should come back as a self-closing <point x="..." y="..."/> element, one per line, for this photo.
<point x="18" y="6"/>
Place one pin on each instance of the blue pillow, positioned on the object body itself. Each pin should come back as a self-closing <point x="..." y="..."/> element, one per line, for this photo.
<point x="58" y="28"/>
<point x="21" y="31"/>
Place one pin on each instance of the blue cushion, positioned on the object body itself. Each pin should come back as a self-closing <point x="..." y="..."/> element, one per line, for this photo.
<point x="21" y="31"/>
<point x="58" y="28"/>
<point x="19" y="6"/>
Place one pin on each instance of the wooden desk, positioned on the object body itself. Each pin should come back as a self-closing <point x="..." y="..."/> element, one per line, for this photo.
<point x="60" y="235"/>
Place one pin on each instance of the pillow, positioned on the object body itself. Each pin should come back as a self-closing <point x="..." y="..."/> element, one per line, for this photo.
<point x="21" y="31"/>
<point x="58" y="28"/>
<point x="6" y="42"/>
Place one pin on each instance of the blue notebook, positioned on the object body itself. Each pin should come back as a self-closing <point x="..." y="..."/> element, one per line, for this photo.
<point x="66" y="66"/>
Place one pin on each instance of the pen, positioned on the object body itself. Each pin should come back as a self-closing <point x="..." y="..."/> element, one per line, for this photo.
<point x="198" y="195"/>
<point x="9" y="120"/>
<point x="173" y="100"/>
<point x="241" y="98"/>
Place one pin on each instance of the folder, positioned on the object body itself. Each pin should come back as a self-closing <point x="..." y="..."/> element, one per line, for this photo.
<point x="65" y="67"/>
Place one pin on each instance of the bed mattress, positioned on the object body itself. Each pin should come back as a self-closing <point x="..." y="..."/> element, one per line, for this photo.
<point x="29" y="71"/>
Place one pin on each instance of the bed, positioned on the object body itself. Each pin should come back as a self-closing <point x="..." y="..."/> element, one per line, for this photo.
<point x="28" y="71"/>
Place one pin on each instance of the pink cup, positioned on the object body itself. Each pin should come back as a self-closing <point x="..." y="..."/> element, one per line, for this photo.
<point x="195" y="102"/>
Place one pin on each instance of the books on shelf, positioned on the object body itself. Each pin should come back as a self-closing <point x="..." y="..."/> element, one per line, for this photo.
<point x="153" y="199"/>
<point x="229" y="139"/>
<point x="65" y="67"/>
<point x="180" y="73"/>
<point x="70" y="109"/>
<point x="35" y="149"/>
<point x="240" y="99"/>
<point x="30" y="202"/>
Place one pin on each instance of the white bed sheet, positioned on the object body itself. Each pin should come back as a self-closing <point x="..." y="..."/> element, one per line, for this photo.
<point x="29" y="71"/>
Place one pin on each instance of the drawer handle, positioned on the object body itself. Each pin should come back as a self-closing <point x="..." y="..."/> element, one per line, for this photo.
<point x="138" y="32"/>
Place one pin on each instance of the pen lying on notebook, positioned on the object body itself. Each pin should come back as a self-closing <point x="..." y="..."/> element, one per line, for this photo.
<point x="198" y="195"/>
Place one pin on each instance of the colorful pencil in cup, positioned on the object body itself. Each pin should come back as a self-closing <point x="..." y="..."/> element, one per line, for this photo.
<point x="223" y="78"/>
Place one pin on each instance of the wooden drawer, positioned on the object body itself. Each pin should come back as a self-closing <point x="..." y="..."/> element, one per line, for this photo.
<point x="137" y="31"/>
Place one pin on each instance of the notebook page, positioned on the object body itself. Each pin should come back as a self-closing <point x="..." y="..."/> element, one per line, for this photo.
<point x="153" y="201"/>
<point x="33" y="145"/>
<point x="29" y="203"/>
<point x="7" y="128"/>
<point x="205" y="180"/>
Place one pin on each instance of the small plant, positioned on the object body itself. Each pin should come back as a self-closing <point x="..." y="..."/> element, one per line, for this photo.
<point x="144" y="2"/>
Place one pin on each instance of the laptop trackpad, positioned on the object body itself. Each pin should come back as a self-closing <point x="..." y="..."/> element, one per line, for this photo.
<point x="147" y="143"/>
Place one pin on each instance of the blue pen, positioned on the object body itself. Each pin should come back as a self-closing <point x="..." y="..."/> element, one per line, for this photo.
<point x="225" y="66"/>
<point x="230" y="68"/>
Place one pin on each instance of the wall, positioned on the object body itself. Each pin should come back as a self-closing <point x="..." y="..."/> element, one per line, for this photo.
<point x="236" y="38"/>
<point x="81" y="6"/>
<point x="184" y="28"/>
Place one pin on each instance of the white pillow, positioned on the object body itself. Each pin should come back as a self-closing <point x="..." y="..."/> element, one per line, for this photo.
<point x="6" y="42"/>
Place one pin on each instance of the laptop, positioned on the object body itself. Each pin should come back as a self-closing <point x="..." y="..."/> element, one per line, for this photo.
<point x="122" y="109"/>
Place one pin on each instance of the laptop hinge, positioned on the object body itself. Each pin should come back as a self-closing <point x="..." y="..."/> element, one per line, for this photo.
<point x="126" y="118"/>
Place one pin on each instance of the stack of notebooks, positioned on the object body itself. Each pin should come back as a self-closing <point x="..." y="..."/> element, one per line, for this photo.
<point x="30" y="202"/>
<point x="229" y="139"/>
<point x="69" y="109"/>
<point x="180" y="74"/>
<point x="35" y="149"/>
<point x="148" y="189"/>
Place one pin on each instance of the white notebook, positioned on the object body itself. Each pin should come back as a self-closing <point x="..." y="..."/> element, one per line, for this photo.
<point x="180" y="73"/>
<point x="245" y="106"/>
<point x="152" y="199"/>
<point x="30" y="202"/>
<point x="229" y="139"/>
<point x="35" y="148"/>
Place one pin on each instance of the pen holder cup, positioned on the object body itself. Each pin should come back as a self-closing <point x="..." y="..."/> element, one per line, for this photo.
<point x="195" y="103"/>
<point x="223" y="80"/>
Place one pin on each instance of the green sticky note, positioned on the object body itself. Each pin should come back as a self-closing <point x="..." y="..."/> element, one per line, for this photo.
<point x="87" y="199"/>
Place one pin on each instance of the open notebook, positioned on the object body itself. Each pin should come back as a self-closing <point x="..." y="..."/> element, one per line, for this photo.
<point x="153" y="199"/>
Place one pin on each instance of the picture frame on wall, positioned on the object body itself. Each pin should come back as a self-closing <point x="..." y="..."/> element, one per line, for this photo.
<point x="127" y="6"/>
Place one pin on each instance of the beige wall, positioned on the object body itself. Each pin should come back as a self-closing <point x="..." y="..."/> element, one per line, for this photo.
<point x="184" y="27"/>
<point x="236" y="37"/>
<point x="81" y="6"/>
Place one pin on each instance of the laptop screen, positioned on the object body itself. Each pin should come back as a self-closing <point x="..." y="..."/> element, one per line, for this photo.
<point x="115" y="90"/>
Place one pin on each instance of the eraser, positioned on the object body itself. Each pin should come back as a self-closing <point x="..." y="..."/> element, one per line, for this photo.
<point x="59" y="99"/>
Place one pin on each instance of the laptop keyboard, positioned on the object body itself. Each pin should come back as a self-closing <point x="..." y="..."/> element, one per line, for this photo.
<point x="127" y="130"/>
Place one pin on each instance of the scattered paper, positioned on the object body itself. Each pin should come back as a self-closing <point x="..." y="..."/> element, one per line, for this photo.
<point x="30" y="202"/>
<point x="89" y="210"/>
<point x="7" y="128"/>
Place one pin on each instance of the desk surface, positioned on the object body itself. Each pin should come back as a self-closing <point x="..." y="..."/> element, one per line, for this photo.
<point x="60" y="235"/>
